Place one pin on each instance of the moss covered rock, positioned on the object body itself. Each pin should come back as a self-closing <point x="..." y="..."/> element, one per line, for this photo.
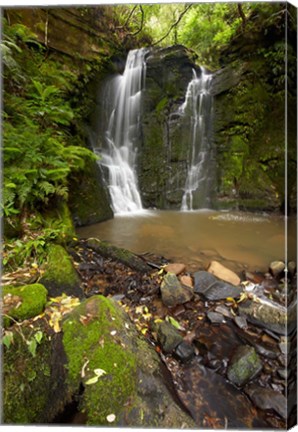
<point x="245" y="365"/>
<point x="123" y="255"/>
<point x="23" y="302"/>
<point x="120" y="373"/>
<point x="60" y="218"/>
<point x="60" y="275"/>
<point x="89" y="201"/>
<point x="33" y="385"/>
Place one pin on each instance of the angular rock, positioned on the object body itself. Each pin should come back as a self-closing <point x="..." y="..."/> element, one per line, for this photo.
<point x="223" y="273"/>
<point x="269" y="314"/>
<point x="172" y="292"/>
<point x="186" y="280"/>
<point x="221" y="290"/>
<point x="203" y="280"/>
<point x="241" y="322"/>
<point x="215" y="317"/>
<point x="184" y="351"/>
<point x="223" y="310"/>
<point x="175" y="268"/>
<point x="168" y="337"/>
<point x="244" y="365"/>
<point x="267" y="399"/>
<point x="277" y="268"/>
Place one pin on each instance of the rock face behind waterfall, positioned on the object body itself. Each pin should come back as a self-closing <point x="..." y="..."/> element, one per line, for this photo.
<point x="163" y="158"/>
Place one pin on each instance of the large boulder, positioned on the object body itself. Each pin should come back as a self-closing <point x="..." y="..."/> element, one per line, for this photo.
<point x="122" y="380"/>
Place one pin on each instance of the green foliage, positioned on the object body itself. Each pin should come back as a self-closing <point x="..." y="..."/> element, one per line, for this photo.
<point x="38" y="152"/>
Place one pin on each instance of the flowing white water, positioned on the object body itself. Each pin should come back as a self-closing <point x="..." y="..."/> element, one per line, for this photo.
<point x="119" y="157"/>
<point x="198" y="105"/>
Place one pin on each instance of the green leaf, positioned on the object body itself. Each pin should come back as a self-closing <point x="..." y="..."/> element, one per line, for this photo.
<point x="32" y="345"/>
<point x="172" y="321"/>
<point x="38" y="336"/>
<point x="7" y="339"/>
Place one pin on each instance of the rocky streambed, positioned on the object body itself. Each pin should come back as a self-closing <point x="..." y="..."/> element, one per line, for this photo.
<point x="225" y="342"/>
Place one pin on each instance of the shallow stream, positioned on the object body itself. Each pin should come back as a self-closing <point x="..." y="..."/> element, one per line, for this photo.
<point x="238" y="239"/>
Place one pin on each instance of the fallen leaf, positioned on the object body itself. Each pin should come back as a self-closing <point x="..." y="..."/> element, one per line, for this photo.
<point x="99" y="372"/>
<point x="113" y="333"/>
<point x="84" y="368"/>
<point x="92" y="380"/>
<point x="111" y="418"/>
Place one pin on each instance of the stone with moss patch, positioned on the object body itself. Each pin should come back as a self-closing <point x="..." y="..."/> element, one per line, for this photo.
<point x="31" y="300"/>
<point x="33" y="386"/>
<point x="60" y="275"/>
<point x="99" y="336"/>
<point x="245" y="365"/>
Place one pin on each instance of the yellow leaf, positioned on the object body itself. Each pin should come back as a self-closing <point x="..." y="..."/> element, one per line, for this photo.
<point x="144" y="330"/>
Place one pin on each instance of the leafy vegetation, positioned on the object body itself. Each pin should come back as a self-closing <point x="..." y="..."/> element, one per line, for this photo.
<point x="39" y="150"/>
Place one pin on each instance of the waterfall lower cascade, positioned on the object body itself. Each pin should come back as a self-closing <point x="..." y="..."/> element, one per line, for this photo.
<point x="123" y="128"/>
<point x="198" y="106"/>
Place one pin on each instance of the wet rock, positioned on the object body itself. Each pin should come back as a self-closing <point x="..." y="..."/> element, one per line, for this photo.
<point x="269" y="285"/>
<point x="172" y="292"/>
<point x="284" y="373"/>
<point x="277" y="268"/>
<point x="221" y="290"/>
<point x="253" y="277"/>
<point x="292" y="268"/>
<point x="284" y="345"/>
<point x="203" y="280"/>
<point x="240" y="322"/>
<point x="269" y="314"/>
<point x="186" y="280"/>
<point x="175" y="268"/>
<point x="215" y="317"/>
<point x="168" y="337"/>
<point x="267" y="399"/>
<point x="184" y="351"/>
<point x="224" y="311"/>
<point x="245" y="365"/>
<point x="223" y="273"/>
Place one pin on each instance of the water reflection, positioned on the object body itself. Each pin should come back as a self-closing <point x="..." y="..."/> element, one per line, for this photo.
<point x="194" y="238"/>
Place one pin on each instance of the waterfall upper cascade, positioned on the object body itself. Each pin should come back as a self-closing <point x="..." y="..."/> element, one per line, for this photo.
<point x="119" y="156"/>
<point x="198" y="106"/>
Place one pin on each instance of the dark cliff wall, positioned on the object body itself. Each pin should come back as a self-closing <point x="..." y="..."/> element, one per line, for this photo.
<point x="250" y="114"/>
<point x="163" y="154"/>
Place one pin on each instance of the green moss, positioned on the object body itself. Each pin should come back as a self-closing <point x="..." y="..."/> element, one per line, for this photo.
<point x="60" y="218"/>
<point x="33" y="297"/>
<point x="93" y="342"/>
<point x="60" y="275"/>
<point x="26" y="381"/>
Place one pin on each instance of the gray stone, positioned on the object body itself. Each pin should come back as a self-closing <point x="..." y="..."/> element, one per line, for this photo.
<point x="292" y="268"/>
<point x="277" y="268"/>
<point x="168" y="337"/>
<point x="184" y="351"/>
<point x="244" y="365"/>
<point x="203" y="280"/>
<point x="172" y="292"/>
<point x="224" y="311"/>
<point x="241" y="322"/>
<point x="267" y="399"/>
<point x="215" y="317"/>
<point x="269" y="314"/>
<point x="221" y="290"/>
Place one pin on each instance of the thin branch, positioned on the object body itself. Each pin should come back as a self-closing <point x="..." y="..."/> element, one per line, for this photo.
<point x="141" y="25"/>
<point x="174" y="25"/>
<point x="128" y="18"/>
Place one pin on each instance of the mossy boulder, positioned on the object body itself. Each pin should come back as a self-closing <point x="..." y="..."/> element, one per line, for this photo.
<point x="245" y="365"/>
<point x="89" y="200"/>
<point x="33" y="385"/>
<point x="120" y="373"/>
<point x="59" y="218"/>
<point x="23" y="302"/>
<point x="60" y="275"/>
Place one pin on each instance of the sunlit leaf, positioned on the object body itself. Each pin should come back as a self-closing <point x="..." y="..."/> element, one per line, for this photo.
<point x="172" y="321"/>
<point x="38" y="336"/>
<point x="7" y="339"/>
<point x="99" y="372"/>
<point x="32" y="345"/>
<point x="92" y="380"/>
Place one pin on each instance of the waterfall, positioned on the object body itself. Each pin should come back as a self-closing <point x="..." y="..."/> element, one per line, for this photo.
<point x="198" y="108"/>
<point x="121" y="136"/>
